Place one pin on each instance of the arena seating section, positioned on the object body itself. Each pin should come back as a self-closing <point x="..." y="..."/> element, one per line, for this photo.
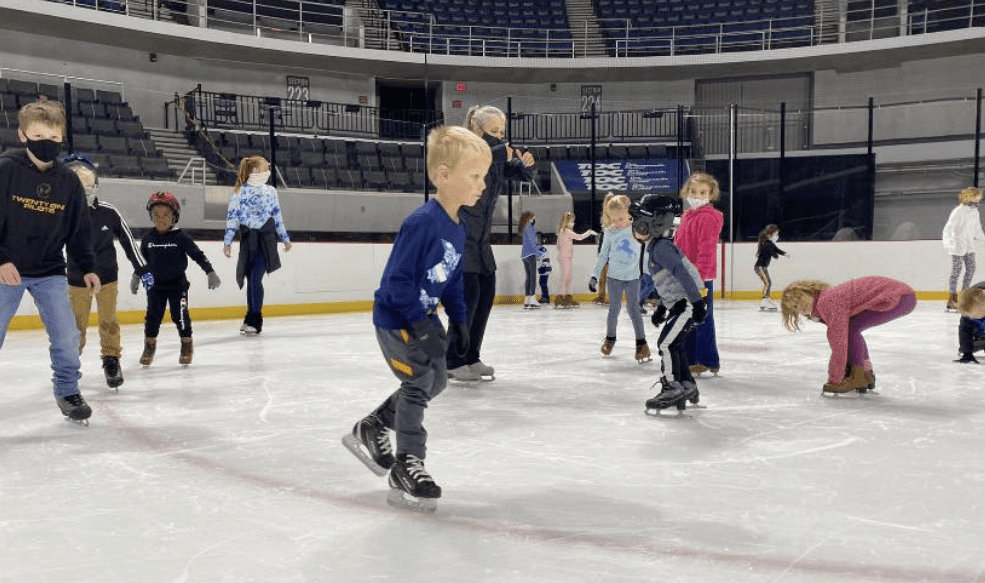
<point x="741" y="24"/>
<point x="329" y="163"/>
<point x="104" y="129"/>
<point x="528" y="19"/>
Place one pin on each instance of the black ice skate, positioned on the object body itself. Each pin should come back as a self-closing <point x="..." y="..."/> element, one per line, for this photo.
<point x="75" y="408"/>
<point x="411" y="487"/>
<point x="114" y="376"/>
<point x="370" y="443"/>
<point x="669" y="395"/>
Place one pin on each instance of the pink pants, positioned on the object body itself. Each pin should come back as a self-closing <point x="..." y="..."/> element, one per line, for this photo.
<point x="565" y="275"/>
<point x="858" y="352"/>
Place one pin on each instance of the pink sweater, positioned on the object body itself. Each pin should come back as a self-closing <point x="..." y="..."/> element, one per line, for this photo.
<point x="565" y="245"/>
<point x="697" y="238"/>
<point x="836" y="306"/>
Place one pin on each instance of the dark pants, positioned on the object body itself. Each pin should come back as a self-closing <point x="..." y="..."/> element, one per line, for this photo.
<point x="701" y="346"/>
<point x="421" y="379"/>
<point x="971" y="335"/>
<point x="160" y="298"/>
<point x="544" y="292"/>
<point x="530" y="267"/>
<point x="480" y="292"/>
<point x="254" y="291"/>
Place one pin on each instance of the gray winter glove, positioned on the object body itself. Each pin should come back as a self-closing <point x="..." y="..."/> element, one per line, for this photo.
<point x="213" y="280"/>
<point x="134" y="284"/>
<point x="593" y="284"/>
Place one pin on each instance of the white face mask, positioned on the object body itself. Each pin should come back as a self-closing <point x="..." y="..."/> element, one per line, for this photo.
<point x="258" y="178"/>
<point x="696" y="202"/>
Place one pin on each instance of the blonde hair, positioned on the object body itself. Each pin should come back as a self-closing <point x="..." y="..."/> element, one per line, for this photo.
<point x="714" y="189"/>
<point x="85" y="174"/>
<point x="525" y="219"/>
<point x="478" y="116"/>
<point x="450" y="145"/>
<point x="612" y="204"/>
<point x="970" y="298"/>
<point x="792" y="297"/>
<point x="967" y="194"/>
<point x="566" y="218"/>
<point x="45" y="112"/>
<point x="247" y="166"/>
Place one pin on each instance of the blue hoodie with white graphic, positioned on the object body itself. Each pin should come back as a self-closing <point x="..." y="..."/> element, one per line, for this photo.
<point x="424" y="268"/>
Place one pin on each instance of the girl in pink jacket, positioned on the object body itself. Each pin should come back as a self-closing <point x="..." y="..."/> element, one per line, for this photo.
<point x="697" y="238"/>
<point x="847" y="310"/>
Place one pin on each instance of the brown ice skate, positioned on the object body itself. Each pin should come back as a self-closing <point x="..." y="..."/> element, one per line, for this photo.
<point x="150" y="347"/>
<point x="187" y="351"/>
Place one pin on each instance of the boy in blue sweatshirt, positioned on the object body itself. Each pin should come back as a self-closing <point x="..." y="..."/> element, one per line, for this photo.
<point x="424" y="268"/>
<point x="42" y="215"/>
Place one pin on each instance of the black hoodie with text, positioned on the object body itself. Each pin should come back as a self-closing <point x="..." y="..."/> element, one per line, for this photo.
<point x="43" y="214"/>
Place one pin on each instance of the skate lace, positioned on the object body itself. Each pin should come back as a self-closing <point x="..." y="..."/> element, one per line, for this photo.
<point x="75" y="400"/>
<point x="415" y="468"/>
<point x="383" y="443"/>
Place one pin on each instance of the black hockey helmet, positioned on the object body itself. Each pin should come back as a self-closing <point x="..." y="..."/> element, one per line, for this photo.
<point x="654" y="213"/>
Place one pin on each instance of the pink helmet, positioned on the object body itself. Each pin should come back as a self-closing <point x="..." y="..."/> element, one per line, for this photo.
<point x="165" y="198"/>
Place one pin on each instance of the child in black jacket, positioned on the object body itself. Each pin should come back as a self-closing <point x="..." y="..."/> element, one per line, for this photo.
<point x="107" y="226"/>
<point x="167" y="250"/>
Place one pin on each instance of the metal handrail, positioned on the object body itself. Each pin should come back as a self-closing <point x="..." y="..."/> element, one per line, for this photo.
<point x="310" y="21"/>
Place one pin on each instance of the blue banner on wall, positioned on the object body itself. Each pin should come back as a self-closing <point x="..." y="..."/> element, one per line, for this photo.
<point x="629" y="176"/>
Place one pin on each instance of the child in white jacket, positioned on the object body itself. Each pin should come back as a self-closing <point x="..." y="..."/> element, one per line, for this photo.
<point x="962" y="230"/>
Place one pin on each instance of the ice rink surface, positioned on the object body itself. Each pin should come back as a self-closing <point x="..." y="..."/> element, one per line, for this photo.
<point x="231" y="470"/>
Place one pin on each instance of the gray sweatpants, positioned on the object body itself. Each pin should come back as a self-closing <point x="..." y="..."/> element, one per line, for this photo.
<point x="421" y="379"/>
<point x="632" y="289"/>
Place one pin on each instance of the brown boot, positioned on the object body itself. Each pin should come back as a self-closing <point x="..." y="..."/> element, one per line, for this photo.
<point x="607" y="345"/>
<point x="642" y="351"/>
<point x="870" y="379"/>
<point x="952" y="302"/>
<point x="150" y="347"/>
<point x="570" y="301"/>
<point x="186" y="351"/>
<point x="855" y="379"/>
<point x="559" y="301"/>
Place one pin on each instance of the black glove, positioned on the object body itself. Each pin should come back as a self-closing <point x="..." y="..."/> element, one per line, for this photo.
<point x="593" y="284"/>
<point x="659" y="316"/>
<point x="699" y="311"/>
<point x="459" y="334"/>
<point x="966" y="358"/>
<point x="430" y="337"/>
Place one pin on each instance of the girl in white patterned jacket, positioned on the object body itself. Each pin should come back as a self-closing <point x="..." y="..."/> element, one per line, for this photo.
<point x="255" y="211"/>
<point x="962" y="230"/>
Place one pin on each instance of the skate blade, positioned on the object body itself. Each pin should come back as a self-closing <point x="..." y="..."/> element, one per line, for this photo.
<point x="400" y="499"/>
<point x="356" y="447"/>
<point x="82" y="422"/>
<point x="643" y="360"/>
<point x="659" y="413"/>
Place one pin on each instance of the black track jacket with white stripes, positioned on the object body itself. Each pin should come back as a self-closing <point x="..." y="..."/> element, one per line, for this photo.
<point x="107" y="225"/>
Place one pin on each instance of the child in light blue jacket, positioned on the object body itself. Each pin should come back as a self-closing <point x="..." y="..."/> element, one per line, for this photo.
<point x="621" y="251"/>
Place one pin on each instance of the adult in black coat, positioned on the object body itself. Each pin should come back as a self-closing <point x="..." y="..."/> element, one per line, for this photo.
<point x="480" y="266"/>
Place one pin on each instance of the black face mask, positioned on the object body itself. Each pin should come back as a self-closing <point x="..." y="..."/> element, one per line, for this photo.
<point x="44" y="150"/>
<point x="491" y="140"/>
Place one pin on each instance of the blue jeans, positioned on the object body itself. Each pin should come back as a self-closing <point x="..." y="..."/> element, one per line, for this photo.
<point x="51" y="297"/>
<point x="701" y="346"/>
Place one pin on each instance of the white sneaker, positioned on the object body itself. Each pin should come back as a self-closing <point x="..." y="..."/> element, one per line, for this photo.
<point x="482" y="369"/>
<point x="464" y="373"/>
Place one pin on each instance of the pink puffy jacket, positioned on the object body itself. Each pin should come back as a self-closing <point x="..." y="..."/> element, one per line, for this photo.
<point x="697" y="238"/>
